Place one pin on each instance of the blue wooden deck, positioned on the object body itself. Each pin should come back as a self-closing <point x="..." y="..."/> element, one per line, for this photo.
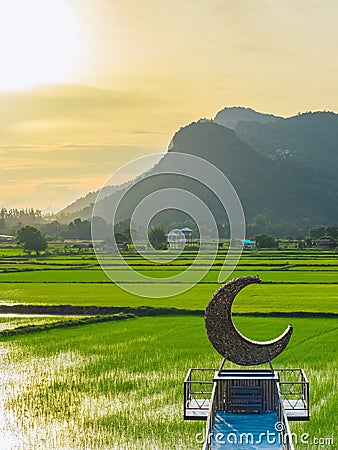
<point x="246" y="431"/>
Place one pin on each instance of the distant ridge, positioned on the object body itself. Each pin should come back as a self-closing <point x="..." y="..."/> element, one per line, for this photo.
<point x="229" y="117"/>
<point x="82" y="207"/>
<point x="311" y="139"/>
<point x="284" y="169"/>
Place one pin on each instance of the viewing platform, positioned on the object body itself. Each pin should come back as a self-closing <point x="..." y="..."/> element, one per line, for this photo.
<point x="292" y="384"/>
<point x="245" y="408"/>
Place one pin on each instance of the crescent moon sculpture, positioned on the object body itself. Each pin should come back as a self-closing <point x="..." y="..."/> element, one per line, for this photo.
<point x="225" y="337"/>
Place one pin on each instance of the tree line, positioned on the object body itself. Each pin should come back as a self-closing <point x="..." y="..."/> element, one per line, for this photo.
<point x="12" y="220"/>
<point x="25" y="223"/>
<point x="32" y="239"/>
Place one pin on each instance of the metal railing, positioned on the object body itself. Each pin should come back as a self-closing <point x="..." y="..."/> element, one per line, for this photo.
<point x="197" y="392"/>
<point x="210" y="419"/>
<point x="283" y="424"/>
<point x="294" y="390"/>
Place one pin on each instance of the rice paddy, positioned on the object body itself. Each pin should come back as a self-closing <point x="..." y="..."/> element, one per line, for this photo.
<point x="11" y="322"/>
<point x="260" y="298"/>
<point x="119" y="385"/>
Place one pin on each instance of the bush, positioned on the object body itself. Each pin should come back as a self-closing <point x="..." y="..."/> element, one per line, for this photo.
<point x="266" y="241"/>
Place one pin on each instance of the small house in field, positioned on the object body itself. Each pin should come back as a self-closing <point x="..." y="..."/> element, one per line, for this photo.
<point x="249" y="244"/>
<point x="187" y="234"/>
<point x="179" y="238"/>
<point x="83" y="246"/>
<point x="176" y="239"/>
<point x="7" y="238"/>
<point x="122" y="247"/>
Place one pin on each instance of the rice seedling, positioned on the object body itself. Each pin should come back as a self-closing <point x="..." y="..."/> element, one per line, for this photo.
<point x="119" y="385"/>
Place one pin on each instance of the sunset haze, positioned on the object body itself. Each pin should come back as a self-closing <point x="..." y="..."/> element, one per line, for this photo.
<point x="87" y="86"/>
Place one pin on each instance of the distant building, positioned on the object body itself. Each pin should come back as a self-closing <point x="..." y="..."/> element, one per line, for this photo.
<point x="249" y="243"/>
<point x="180" y="237"/>
<point x="83" y="246"/>
<point x="176" y="239"/>
<point x="187" y="234"/>
<point x="123" y="247"/>
<point x="323" y="243"/>
<point x="7" y="238"/>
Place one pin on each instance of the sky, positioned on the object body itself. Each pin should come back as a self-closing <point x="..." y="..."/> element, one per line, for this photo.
<point x="88" y="85"/>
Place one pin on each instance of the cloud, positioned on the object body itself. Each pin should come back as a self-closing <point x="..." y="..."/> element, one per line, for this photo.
<point x="162" y="65"/>
<point x="56" y="113"/>
<point x="52" y="101"/>
<point x="50" y="177"/>
<point x="75" y="135"/>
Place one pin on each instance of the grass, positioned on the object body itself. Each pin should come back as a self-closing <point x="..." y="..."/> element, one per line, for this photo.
<point x="96" y="275"/>
<point x="9" y="322"/>
<point x="34" y="326"/>
<point x="119" y="385"/>
<point x="260" y="298"/>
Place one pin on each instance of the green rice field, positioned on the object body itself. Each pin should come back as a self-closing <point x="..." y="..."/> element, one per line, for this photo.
<point x="258" y="298"/>
<point x="11" y="322"/>
<point x="119" y="385"/>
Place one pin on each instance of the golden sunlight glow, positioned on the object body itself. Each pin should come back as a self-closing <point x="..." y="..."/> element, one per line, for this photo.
<point x="38" y="43"/>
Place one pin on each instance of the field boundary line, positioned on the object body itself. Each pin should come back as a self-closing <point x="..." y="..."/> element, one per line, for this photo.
<point x="25" y="329"/>
<point x="69" y="310"/>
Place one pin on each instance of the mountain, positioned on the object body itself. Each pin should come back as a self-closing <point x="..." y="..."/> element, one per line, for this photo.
<point x="280" y="188"/>
<point x="231" y="116"/>
<point x="310" y="139"/>
<point x="82" y="207"/>
<point x="275" y="169"/>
